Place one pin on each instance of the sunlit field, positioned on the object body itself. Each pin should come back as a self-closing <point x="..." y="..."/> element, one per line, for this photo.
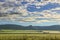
<point x="26" y="35"/>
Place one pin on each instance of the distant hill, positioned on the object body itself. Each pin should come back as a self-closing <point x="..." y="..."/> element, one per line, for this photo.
<point x="11" y="26"/>
<point x="30" y="27"/>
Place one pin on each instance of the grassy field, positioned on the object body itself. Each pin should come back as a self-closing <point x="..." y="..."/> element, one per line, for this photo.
<point x="13" y="35"/>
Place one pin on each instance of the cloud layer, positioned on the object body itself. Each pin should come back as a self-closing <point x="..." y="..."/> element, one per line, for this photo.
<point x="35" y="11"/>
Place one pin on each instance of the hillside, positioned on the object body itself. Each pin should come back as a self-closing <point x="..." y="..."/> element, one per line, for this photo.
<point x="19" y="27"/>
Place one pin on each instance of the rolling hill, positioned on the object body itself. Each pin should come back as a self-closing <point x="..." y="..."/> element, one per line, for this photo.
<point x="30" y="27"/>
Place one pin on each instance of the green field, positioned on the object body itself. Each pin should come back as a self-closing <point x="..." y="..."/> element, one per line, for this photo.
<point x="16" y="35"/>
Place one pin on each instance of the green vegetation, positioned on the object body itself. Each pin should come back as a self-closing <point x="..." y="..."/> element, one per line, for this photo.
<point x="29" y="36"/>
<point x="21" y="35"/>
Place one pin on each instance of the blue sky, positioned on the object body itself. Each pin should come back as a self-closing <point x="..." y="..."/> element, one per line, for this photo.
<point x="2" y="0"/>
<point x="33" y="12"/>
<point x="32" y="8"/>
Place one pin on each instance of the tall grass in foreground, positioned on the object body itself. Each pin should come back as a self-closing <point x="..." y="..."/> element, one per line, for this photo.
<point x="29" y="36"/>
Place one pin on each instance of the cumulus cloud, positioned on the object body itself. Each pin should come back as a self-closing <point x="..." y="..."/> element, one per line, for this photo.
<point x="38" y="12"/>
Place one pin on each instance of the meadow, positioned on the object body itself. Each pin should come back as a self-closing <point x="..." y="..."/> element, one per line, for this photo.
<point x="21" y="35"/>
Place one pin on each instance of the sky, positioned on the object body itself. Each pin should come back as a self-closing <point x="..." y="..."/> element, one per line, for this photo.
<point x="30" y="12"/>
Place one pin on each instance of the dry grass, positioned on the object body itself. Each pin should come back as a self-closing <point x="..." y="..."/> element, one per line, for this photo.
<point x="29" y="36"/>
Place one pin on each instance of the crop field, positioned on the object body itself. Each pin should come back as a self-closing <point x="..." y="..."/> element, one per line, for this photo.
<point x="11" y="35"/>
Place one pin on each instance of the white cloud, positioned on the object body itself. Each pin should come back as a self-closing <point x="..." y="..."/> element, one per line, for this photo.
<point x="47" y="14"/>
